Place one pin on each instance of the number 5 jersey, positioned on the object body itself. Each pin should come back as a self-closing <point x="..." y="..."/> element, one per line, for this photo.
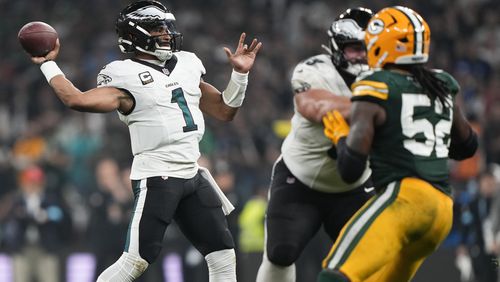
<point x="414" y="140"/>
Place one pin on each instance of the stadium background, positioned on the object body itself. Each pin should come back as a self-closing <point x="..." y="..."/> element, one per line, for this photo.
<point x="85" y="158"/>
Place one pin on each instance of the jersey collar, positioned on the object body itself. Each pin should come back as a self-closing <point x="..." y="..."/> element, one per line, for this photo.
<point x="166" y="69"/>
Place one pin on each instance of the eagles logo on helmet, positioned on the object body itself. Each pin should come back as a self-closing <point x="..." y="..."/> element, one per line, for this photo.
<point x="348" y="28"/>
<point x="135" y="23"/>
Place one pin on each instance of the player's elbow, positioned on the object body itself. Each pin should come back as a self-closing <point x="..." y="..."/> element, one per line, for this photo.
<point x="73" y="103"/>
<point x="226" y="113"/>
<point x="227" y="118"/>
<point x="77" y="104"/>
<point x="461" y="150"/>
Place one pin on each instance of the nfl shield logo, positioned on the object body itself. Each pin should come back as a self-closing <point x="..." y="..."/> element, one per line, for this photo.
<point x="165" y="71"/>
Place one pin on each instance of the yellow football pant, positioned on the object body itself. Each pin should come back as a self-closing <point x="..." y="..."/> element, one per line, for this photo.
<point x="391" y="235"/>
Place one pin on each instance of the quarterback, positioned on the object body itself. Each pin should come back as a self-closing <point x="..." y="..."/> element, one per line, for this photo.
<point x="161" y="96"/>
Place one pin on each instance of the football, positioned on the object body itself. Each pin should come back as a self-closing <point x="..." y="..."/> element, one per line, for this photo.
<point x="37" y="38"/>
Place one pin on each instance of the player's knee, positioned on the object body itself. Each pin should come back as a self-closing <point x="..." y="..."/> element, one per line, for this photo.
<point x="328" y="275"/>
<point x="283" y="254"/>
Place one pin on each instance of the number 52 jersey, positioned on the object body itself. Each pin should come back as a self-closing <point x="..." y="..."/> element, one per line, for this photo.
<point x="166" y="123"/>
<point x="414" y="140"/>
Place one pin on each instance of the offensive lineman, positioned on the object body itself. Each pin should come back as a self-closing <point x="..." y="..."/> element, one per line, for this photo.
<point x="306" y="190"/>
<point x="160" y="95"/>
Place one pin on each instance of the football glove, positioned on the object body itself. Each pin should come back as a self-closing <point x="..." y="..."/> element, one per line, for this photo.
<point x="335" y="126"/>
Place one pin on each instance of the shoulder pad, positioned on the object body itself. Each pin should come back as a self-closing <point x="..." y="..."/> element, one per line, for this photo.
<point x="450" y="82"/>
<point x="370" y="87"/>
<point x="191" y="59"/>
<point x="113" y="73"/>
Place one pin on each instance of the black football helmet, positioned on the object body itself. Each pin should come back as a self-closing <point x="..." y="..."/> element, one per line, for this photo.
<point x="136" y="21"/>
<point x="348" y="28"/>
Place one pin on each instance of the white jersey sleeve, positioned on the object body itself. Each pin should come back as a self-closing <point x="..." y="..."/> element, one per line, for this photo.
<point x="166" y="123"/>
<point x="305" y="148"/>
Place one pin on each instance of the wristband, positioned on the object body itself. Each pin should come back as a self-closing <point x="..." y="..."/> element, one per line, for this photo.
<point x="234" y="94"/>
<point x="50" y="69"/>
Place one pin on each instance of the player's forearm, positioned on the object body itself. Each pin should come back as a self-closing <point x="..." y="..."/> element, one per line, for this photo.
<point x="225" y="105"/>
<point x="97" y="100"/>
<point x="226" y="113"/>
<point x="310" y="110"/>
<point x="314" y="105"/>
<point x="66" y="91"/>
<point x="350" y="163"/>
<point x="212" y="104"/>
<point x="461" y="150"/>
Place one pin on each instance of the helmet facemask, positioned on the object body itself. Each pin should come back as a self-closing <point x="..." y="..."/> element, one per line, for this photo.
<point x="348" y="30"/>
<point x="134" y="27"/>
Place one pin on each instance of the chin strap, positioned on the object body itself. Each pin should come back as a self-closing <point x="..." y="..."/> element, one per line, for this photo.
<point x="162" y="55"/>
<point x="327" y="49"/>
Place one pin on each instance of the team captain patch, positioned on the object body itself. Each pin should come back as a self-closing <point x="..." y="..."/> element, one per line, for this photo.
<point x="146" y="77"/>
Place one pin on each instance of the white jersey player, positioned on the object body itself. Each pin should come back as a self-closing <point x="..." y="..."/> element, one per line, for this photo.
<point x="166" y="123"/>
<point x="306" y="190"/>
<point x="160" y="95"/>
<point x="304" y="150"/>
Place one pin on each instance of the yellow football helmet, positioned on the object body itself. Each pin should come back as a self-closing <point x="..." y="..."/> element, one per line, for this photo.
<point x="397" y="35"/>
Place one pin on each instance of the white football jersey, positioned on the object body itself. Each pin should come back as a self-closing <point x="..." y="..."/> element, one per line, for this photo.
<point x="305" y="148"/>
<point x="166" y="124"/>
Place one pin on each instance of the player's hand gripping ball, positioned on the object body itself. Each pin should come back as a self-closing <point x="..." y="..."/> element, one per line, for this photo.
<point x="37" y="38"/>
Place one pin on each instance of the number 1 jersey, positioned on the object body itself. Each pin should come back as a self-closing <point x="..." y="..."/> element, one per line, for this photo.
<point x="166" y="123"/>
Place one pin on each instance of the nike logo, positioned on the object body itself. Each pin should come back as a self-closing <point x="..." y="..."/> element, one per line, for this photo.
<point x="369" y="189"/>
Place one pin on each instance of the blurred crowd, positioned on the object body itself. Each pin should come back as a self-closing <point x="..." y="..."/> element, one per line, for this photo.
<point x="64" y="181"/>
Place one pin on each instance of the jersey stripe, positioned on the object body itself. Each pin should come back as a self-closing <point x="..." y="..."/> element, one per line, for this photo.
<point x="361" y="223"/>
<point x="376" y="89"/>
<point x="418" y="30"/>
<point x="374" y="84"/>
<point x="140" y="192"/>
<point x="376" y="94"/>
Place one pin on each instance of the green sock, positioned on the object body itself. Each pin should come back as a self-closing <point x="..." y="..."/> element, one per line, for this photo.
<point x="327" y="275"/>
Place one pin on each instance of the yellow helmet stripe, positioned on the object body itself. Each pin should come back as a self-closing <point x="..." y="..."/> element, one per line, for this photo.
<point x="418" y="29"/>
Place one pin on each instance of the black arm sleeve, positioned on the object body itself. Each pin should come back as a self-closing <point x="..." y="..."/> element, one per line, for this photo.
<point x="350" y="164"/>
<point x="465" y="149"/>
<point x="332" y="152"/>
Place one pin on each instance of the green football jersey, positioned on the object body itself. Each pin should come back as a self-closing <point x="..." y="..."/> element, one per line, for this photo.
<point x="414" y="140"/>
